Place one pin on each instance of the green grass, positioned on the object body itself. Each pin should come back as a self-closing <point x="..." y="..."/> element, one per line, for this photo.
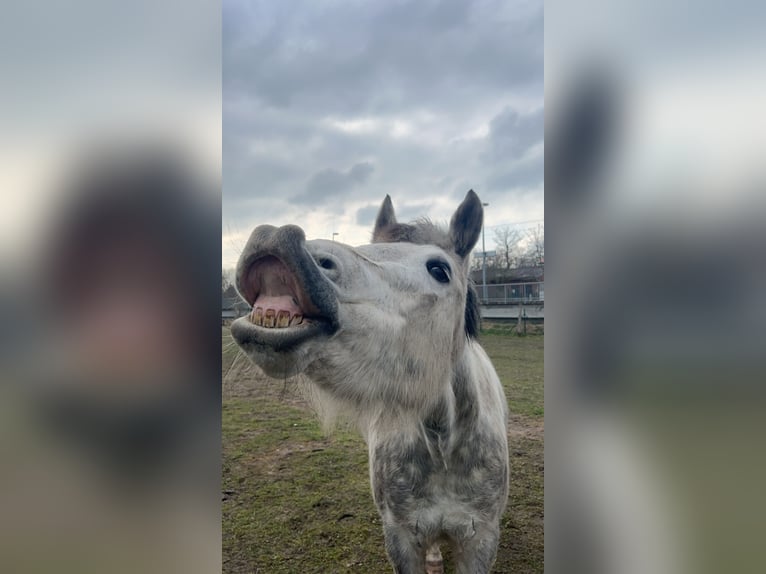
<point x="297" y="500"/>
<point x="519" y="364"/>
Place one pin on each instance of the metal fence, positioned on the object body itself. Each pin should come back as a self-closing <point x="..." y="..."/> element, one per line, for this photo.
<point x="504" y="293"/>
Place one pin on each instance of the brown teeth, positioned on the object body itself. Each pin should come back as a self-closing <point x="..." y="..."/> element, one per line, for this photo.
<point x="270" y="318"/>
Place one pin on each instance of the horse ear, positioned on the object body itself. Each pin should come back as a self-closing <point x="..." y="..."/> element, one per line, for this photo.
<point x="465" y="226"/>
<point x="386" y="218"/>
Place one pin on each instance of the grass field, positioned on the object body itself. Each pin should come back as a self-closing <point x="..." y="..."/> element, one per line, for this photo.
<point x="297" y="500"/>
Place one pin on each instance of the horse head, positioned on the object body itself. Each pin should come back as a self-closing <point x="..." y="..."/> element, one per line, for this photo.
<point x="379" y="323"/>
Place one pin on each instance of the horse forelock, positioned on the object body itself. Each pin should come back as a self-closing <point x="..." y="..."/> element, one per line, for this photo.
<point x="425" y="232"/>
<point x="421" y="232"/>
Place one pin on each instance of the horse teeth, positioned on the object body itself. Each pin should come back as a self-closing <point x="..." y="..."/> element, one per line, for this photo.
<point x="271" y="318"/>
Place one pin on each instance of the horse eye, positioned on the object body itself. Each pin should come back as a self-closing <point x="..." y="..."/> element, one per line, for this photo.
<point x="439" y="270"/>
<point x="325" y="263"/>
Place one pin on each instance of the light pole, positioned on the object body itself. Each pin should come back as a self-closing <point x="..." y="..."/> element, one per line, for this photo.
<point x="484" y="257"/>
<point x="334" y="233"/>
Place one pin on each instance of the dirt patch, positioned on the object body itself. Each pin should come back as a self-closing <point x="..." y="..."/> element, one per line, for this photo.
<point x="525" y="427"/>
<point x="275" y="462"/>
<point x="244" y="379"/>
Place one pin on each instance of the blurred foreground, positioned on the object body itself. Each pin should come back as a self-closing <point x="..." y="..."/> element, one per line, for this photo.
<point x="655" y="378"/>
<point x="109" y="364"/>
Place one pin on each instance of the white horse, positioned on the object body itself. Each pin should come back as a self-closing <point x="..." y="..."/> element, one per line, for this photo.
<point x="387" y="332"/>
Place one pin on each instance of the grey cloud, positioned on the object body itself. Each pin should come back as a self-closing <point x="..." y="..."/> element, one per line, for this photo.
<point x="512" y="133"/>
<point x="361" y="172"/>
<point x="365" y="216"/>
<point x="513" y="176"/>
<point x="288" y="74"/>
<point x="331" y="183"/>
<point x="511" y="136"/>
<point x="362" y="58"/>
<point x="412" y="212"/>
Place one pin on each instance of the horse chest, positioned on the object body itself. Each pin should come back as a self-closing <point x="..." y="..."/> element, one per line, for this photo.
<point x="417" y="485"/>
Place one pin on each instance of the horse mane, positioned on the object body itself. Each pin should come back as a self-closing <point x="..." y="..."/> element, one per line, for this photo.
<point x="423" y="231"/>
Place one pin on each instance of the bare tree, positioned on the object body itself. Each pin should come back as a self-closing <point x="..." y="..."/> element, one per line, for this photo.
<point x="475" y="262"/>
<point x="227" y="280"/>
<point x="536" y="245"/>
<point x="507" y="243"/>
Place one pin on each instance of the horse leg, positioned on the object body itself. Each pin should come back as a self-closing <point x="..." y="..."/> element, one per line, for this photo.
<point x="476" y="556"/>
<point x="434" y="564"/>
<point x="404" y="552"/>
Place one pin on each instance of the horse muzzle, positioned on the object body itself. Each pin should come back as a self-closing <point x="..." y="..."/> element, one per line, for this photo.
<point x="292" y="300"/>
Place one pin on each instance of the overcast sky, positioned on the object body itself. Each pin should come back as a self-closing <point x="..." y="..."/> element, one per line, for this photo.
<point x="330" y="105"/>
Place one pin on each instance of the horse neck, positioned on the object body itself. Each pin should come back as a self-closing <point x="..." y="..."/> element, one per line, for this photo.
<point x="464" y="385"/>
<point x="455" y="408"/>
